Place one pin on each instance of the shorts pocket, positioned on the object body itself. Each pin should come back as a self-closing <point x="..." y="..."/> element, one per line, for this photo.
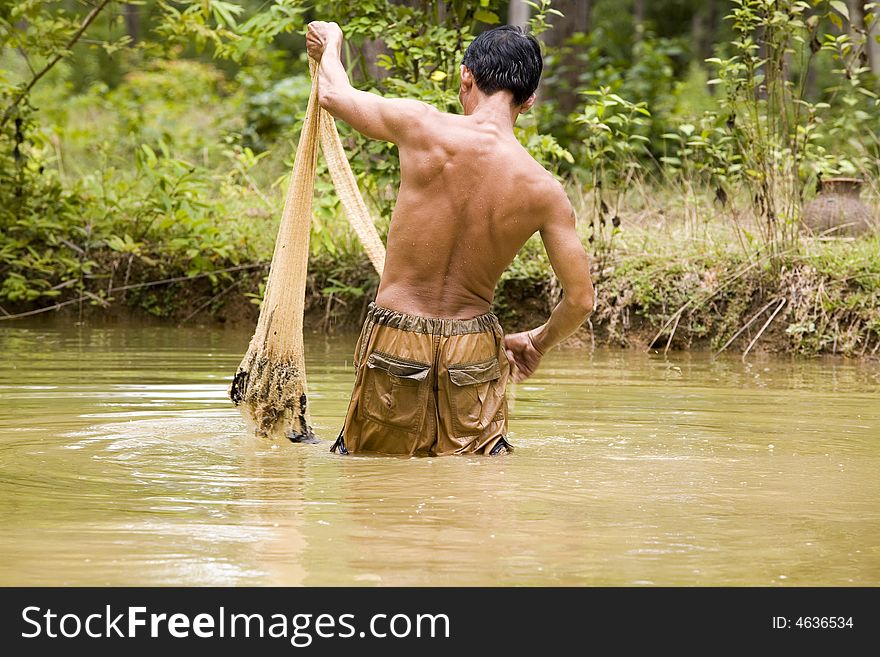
<point x="395" y="391"/>
<point x="471" y="386"/>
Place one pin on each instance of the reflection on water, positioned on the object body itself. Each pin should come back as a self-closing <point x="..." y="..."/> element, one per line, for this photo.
<point x="122" y="462"/>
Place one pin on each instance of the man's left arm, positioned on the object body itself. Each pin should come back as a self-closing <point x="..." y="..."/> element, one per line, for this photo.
<point x="388" y="119"/>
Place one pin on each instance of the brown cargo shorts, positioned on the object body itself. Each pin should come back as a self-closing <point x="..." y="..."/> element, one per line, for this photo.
<point x="427" y="386"/>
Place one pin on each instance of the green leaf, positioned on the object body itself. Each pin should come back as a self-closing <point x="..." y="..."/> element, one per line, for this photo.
<point x="486" y="16"/>
<point x="224" y="12"/>
<point x="840" y="7"/>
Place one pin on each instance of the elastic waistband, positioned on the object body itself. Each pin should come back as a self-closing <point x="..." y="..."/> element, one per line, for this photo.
<point x="432" y="325"/>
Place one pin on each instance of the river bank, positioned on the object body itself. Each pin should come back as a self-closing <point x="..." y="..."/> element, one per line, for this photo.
<point x="824" y="299"/>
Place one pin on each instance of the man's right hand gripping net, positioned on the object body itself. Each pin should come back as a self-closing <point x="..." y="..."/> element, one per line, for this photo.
<point x="269" y="387"/>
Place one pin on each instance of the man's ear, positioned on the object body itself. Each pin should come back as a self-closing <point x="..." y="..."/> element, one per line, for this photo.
<point x="526" y="106"/>
<point x="467" y="78"/>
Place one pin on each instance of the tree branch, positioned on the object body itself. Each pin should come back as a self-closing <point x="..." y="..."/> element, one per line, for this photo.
<point x="57" y="58"/>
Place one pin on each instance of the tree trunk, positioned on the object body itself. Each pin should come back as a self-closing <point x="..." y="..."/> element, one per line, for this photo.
<point x="370" y="51"/>
<point x="372" y="48"/>
<point x="709" y="10"/>
<point x="639" y="18"/>
<point x="856" y="19"/>
<point x="862" y="25"/>
<point x="873" y="43"/>
<point x="518" y="13"/>
<point x="133" y="22"/>
<point x="764" y="56"/>
<point x="698" y="32"/>
<point x="575" y="19"/>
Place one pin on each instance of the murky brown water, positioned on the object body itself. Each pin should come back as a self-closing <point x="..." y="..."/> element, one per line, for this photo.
<point x="122" y="462"/>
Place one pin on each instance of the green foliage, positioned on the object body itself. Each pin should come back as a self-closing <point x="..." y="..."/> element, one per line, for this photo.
<point x="643" y="68"/>
<point x="222" y="27"/>
<point x="125" y="160"/>
<point x="541" y="9"/>
<point x="269" y="107"/>
<point x="612" y="147"/>
<point x="38" y="218"/>
<point x="766" y="141"/>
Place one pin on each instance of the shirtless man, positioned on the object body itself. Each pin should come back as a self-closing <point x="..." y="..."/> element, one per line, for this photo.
<point x="432" y="361"/>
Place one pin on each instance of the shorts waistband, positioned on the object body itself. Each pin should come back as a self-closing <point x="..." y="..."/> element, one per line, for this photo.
<point x="432" y="325"/>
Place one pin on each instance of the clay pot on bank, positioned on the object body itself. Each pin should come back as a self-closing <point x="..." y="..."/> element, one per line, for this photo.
<point x="838" y="210"/>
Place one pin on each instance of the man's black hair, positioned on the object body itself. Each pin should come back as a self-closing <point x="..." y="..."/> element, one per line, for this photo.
<point x="505" y="57"/>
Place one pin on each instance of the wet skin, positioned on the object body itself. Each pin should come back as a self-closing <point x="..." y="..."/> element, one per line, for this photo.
<point x="470" y="196"/>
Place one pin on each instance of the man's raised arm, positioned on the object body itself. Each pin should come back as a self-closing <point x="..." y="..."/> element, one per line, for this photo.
<point x="572" y="268"/>
<point x="370" y="114"/>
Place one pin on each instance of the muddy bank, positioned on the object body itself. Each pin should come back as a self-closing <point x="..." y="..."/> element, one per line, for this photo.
<point x="804" y="306"/>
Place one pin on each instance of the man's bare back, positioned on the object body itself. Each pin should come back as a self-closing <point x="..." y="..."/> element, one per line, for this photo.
<point x="470" y="196"/>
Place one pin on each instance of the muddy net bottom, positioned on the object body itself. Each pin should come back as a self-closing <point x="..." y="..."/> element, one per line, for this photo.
<point x="272" y="398"/>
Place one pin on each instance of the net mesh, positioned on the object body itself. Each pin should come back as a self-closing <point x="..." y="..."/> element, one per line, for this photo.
<point x="269" y="387"/>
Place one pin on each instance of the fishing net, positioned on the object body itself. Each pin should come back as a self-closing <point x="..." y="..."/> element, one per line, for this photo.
<point x="269" y="387"/>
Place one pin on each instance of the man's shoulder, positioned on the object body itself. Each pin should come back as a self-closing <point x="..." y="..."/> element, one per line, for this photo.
<point x="532" y="169"/>
<point x="415" y="113"/>
<point x="430" y="124"/>
<point x="543" y="185"/>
